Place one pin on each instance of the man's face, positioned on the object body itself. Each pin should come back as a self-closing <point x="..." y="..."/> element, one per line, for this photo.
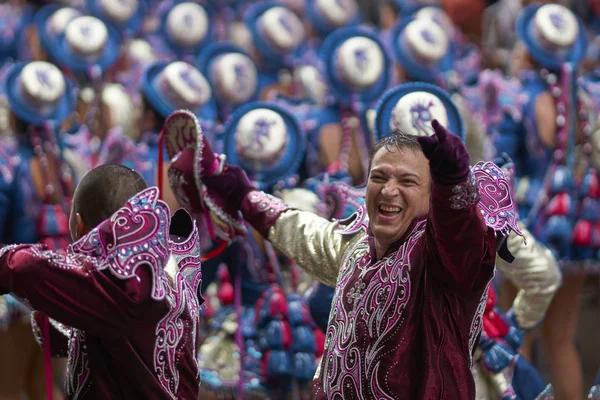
<point x="397" y="192"/>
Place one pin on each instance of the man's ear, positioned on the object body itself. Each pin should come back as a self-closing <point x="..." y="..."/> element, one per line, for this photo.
<point x="80" y="228"/>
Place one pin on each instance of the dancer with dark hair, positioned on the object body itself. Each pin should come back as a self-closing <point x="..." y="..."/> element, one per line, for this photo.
<point x="123" y="299"/>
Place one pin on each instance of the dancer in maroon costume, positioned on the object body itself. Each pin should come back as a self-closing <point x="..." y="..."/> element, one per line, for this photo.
<point x="123" y="298"/>
<point x="410" y="271"/>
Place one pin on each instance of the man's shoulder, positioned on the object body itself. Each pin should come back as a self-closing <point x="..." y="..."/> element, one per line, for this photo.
<point x="357" y="222"/>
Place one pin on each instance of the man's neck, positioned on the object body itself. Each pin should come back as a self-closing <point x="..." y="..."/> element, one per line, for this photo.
<point x="380" y="250"/>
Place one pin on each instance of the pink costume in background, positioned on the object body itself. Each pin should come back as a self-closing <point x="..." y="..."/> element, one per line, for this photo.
<point x="129" y="292"/>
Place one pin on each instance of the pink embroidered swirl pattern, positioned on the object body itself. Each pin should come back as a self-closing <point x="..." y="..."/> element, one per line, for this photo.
<point x="78" y="369"/>
<point x="135" y="235"/>
<point x="367" y="312"/>
<point x="496" y="203"/>
<point x="356" y="222"/>
<point x="183" y="301"/>
<point x="477" y="324"/>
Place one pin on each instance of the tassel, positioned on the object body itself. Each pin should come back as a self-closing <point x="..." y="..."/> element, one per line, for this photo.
<point x="276" y="363"/>
<point x="497" y="356"/>
<point x="305" y="366"/>
<point x="514" y="338"/>
<point x="278" y="335"/>
<point x="303" y="340"/>
<point x="560" y="204"/>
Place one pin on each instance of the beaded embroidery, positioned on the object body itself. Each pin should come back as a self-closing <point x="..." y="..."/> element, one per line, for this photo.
<point x="464" y="194"/>
<point x="135" y="235"/>
<point x="496" y="203"/>
<point x="376" y="305"/>
<point x="170" y="330"/>
<point x="78" y="369"/>
<point x="264" y="203"/>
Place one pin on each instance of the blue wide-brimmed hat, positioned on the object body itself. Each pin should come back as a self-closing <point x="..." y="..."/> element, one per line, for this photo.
<point x="328" y="15"/>
<point x="411" y="107"/>
<point x="422" y="48"/>
<point x="38" y="93"/>
<point x="355" y="63"/>
<point x="187" y="28"/>
<point x="232" y="73"/>
<point x="278" y="33"/>
<point x="51" y="22"/>
<point x="81" y="35"/>
<point x="169" y="87"/>
<point x="126" y="15"/>
<point x="265" y="140"/>
<point x="553" y="35"/>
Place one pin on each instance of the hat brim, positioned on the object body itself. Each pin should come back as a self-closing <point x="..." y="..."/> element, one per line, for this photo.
<point x="293" y="153"/>
<point x="60" y="51"/>
<point x="129" y="27"/>
<point x="162" y="104"/>
<point x="386" y="105"/>
<point x="48" y="42"/>
<point x="10" y="86"/>
<point x="343" y="92"/>
<point x="546" y="58"/>
<point x="209" y="55"/>
<point x="414" y="70"/>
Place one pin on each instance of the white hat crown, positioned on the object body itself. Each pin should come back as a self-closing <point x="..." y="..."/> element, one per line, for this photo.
<point x="414" y="112"/>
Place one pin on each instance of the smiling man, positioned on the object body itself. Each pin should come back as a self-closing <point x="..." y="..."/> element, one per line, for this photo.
<point x="410" y="269"/>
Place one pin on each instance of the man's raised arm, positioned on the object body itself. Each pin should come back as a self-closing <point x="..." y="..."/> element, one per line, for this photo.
<point x="316" y="244"/>
<point x="458" y="241"/>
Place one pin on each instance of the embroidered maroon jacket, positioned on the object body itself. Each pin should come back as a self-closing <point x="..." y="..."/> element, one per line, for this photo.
<point x="126" y="297"/>
<point x="405" y="326"/>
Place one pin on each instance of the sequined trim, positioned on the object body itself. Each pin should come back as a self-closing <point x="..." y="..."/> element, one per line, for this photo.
<point x="465" y="194"/>
<point x="477" y="325"/>
<point x="377" y="303"/>
<point x="39" y="335"/>
<point x="8" y="248"/>
<point x="78" y="369"/>
<point x="236" y="223"/>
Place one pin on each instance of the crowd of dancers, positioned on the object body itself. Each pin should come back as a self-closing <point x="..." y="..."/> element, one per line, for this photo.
<point x="301" y="265"/>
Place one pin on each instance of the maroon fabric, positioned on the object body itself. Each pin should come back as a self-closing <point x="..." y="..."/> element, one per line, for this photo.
<point x="405" y="326"/>
<point x="261" y="210"/>
<point x="115" y="321"/>
<point x="182" y="179"/>
<point x="448" y="156"/>
<point x="59" y="341"/>
<point x="232" y="185"/>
